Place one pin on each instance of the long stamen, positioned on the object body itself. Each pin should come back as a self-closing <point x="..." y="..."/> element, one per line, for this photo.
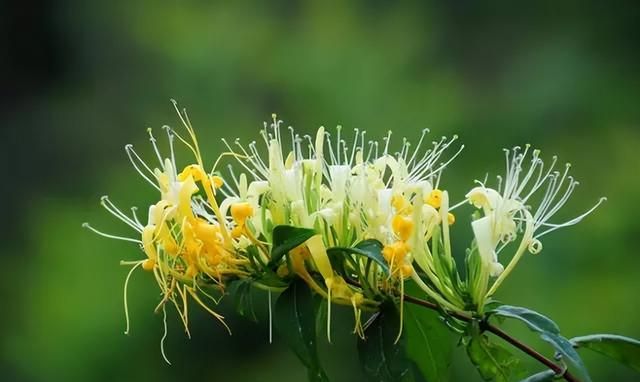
<point x="293" y="141"/>
<point x="115" y="211"/>
<point x="216" y="315"/>
<point x="299" y="154"/>
<point x="134" y="211"/>
<point x="542" y="179"/>
<point x="345" y="152"/>
<point x="184" y="118"/>
<point x="241" y="162"/>
<point x="311" y="146"/>
<point x="417" y="149"/>
<point x="270" y="319"/>
<point x="548" y="195"/>
<point x="233" y="177"/>
<point x="332" y="157"/>
<point x="571" y="222"/>
<point x="164" y="335"/>
<point x="252" y="158"/>
<point x="88" y="226"/>
<point x="171" y="138"/>
<point x="354" y="147"/>
<point x="427" y="172"/>
<point x="131" y="154"/>
<point x="565" y="197"/>
<point x="338" y="140"/>
<point x="262" y="166"/>
<point x="126" y="285"/>
<point x="529" y="174"/>
<point x="547" y="212"/>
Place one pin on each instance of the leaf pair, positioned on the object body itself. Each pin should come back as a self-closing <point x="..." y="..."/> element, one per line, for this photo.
<point x="622" y="349"/>
<point x="548" y="331"/>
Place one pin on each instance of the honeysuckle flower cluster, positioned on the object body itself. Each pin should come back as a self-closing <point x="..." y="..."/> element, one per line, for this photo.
<point x="364" y="219"/>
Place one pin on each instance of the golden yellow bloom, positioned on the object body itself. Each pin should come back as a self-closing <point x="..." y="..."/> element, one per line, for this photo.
<point x="434" y="198"/>
<point x="402" y="226"/>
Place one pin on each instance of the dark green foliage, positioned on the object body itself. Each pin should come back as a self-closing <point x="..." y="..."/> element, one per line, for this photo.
<point x="543" y="376"/>
<point x="286" y="238"/>
<point x="548" y="331"/>
<point x="241" y="292"/>
<point x="371" y="249"/>
<point x="623" y="349"/>
<point x="534" y="320"/>
<point x="295" y="320"/>
<point x="429" y="343"/>
<point x="493" y="362"/>
<point x="264" y="274"/>
<point x="382" y="358"/>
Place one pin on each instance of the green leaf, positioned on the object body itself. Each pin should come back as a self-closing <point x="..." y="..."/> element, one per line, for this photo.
<point x="429" y="341"/>
<point x="370" y="248"/>
<point x="564" y="347"/>
<point x="271" y="279"/>
<point x="243" y="298"/>
<point x="543" y="376"/>
<point x="623" y="349"/>
<point x="494" y="363"/>
<point x="534" y="320"/>
<point x="295" y="320"/>
<point x="286" y="238"/>
<point x="337" y="259"/>
<point x="381" y="357"/>
<point x="548" y="331"/>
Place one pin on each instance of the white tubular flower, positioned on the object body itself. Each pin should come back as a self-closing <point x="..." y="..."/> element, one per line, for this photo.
<point x="497" y="226"/>
<point x="349" y="193"/>
<point x="508" y="212"/>
<point x="483" y="230"/>
<point x="348" y="186"/>
<point x="339" y="176"/>
<point x="284" y="180"/>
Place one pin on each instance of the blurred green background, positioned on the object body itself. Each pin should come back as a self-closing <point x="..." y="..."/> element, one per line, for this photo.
<point x="82" y="79"/>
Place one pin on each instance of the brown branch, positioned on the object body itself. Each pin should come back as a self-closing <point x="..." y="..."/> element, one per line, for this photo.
<point x="559" y="370"/>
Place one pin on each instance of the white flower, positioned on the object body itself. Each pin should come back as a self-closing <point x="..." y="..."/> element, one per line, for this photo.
<point x="348" y="186"/>
<point x="507" y="209"/>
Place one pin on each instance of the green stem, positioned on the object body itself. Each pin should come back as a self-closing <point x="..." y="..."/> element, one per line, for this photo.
<point x="526" y="239"/>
